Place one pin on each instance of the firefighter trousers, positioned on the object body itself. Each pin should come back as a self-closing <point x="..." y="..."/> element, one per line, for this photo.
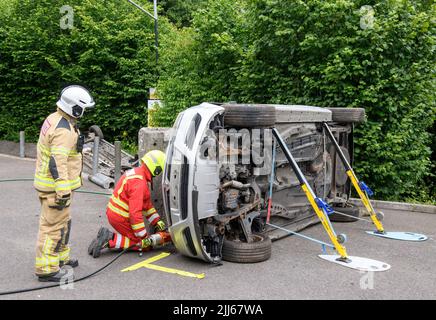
<point x="53" y="236"/>
<point x="124" y="235"/>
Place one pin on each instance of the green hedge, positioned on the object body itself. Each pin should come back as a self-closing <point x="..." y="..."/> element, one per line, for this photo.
<point x="316" y="52"/>
<point x="110" y="49"/>
<point x="270" y="51"/>
<point x="180" y="12"/>
<point x="200" y="63"/>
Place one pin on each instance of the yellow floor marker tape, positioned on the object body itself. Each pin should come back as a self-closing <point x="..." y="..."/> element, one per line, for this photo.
<point x="148" y="264"/>
<point x="148" y="261"/>
<point x="175" y="271"/>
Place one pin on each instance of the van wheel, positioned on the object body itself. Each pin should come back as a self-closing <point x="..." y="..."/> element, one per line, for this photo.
<point x="96" y="131"/>
<point x="249" y="116"/>
<point x="244" y="252"/>
<point x="351" y="115"/>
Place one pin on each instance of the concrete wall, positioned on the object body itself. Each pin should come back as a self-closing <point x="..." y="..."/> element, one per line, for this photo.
<point x="151" y="139"/>
<point x="13" y="149"/>
<point x="400" y="206"/>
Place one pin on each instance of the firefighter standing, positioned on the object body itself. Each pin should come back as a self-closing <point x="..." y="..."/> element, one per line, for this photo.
<point x="57" y="174"/>
<point x="129" y="203"/>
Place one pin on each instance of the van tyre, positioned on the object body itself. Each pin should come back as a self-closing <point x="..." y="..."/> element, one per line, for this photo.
<point x="96" y="131"/>
<point x="350" y="115"/>
<point x="249" y="116"/>
<point x="352" y="211"/>
<point x="244" y="252"/>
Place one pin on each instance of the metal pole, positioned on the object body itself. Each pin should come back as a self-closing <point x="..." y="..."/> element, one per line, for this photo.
<point x="271" y="183"/>
<point x="337" y="147"/>
<point x="156" y="28"/>
<point x="301" y="235"/>
<point x="22" y="145"/>
<point x="291" y="160"/>
<point x="141" y="8"/>
<point x="321" y="212"/>
<point x="117" y="173"/>
<point x="300" y="176"/>
<point x="156" y="31"/>
<point x="95" y="155"/>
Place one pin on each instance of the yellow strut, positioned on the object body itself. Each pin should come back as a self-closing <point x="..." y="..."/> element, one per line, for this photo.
<point x="322" y="217"/>
<point x="366" y="202"/>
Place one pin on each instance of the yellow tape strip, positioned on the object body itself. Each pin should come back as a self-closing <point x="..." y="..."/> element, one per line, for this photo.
<point x="148" y="261"/>
<point x="148" y="264"/>
<point x="175" y="271"/>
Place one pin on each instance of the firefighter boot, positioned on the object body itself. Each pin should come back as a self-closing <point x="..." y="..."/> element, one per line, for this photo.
<point x="103" y="237"/>
<point x="92" y="245"/>
<point x="62" y="275"/>
<point x="73" y="263"/>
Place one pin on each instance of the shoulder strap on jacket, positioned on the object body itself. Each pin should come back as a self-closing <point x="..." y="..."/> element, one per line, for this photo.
<point x="63" y="123"/>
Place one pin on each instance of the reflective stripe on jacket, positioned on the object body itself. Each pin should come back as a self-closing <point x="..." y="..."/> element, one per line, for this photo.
<point x="58" y="164"/>
<point x="131" y="199"/>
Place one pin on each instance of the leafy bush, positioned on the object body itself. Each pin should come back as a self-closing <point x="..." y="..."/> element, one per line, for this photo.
<point x="316" y="52"/>
<point x="180" y="12"/>
<point x="198" y="62"/>
<point x="324" y="53"/>
<point x="329" y="53"/>
<point x="110" y="49"/>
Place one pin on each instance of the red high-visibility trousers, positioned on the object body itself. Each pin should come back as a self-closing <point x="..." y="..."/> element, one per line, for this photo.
<point x="124" y="235"/>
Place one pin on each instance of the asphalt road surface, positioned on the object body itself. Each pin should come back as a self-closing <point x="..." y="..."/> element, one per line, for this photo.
<point x="293" y="272"/>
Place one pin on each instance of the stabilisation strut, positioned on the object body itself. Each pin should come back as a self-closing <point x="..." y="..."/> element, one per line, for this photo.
<point x="321" y="208"/>
<point x="362" y="189"/>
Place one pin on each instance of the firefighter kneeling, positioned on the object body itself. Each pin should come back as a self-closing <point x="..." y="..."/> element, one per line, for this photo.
<point x="130" y="201"/>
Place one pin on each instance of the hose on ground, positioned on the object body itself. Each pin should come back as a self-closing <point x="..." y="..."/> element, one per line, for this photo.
<point x="74" y="281"/>
<point x="77" y="280"/>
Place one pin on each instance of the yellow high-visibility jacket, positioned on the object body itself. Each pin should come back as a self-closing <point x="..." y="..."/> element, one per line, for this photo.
<point x="58" y="164"/>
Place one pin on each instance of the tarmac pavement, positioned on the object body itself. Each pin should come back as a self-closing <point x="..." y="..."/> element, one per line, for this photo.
<point x="293" y="272"/>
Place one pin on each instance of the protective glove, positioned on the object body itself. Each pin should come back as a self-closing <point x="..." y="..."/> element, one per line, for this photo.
<point x="160" y="226"/>
<point x="63" y="201"/>
<point x="147" y="242"/>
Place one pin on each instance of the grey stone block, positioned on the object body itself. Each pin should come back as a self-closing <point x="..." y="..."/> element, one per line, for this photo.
<point x="151" y="139"/>
<point x="13" y="149"/>
<point x="154" y="139"/>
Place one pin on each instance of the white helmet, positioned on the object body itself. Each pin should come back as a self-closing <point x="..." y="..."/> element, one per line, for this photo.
<point x="74" y="100"/>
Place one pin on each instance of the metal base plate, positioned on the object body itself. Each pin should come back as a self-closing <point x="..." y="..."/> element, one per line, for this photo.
<point x="406" y="236"/>
<point x="358" y="263"/>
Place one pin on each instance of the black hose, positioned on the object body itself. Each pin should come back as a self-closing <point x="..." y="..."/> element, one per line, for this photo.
<point x="58" y="284"/>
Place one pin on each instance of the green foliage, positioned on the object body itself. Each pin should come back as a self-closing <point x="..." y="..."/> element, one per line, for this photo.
<point x="110" y="49"/>
<point x="313" y="52"/>
<point x="323" y="53"/>
<point x="180" y="12"/>
<point x="198" y="61"/>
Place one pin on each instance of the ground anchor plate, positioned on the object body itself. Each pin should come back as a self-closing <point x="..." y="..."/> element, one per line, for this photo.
<point x="406" y="236"/>
<point x="358" y="263"/>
